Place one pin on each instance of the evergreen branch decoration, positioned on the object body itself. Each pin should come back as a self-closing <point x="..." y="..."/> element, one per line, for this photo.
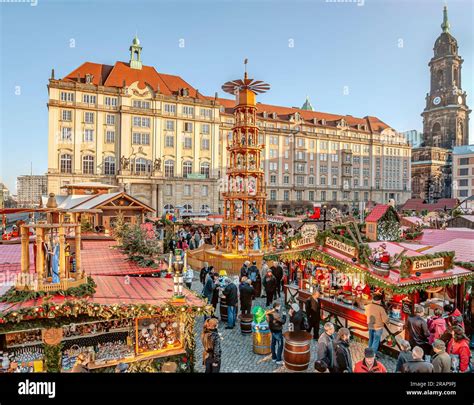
<point x="52" y="357"/>
<point x="84" y="290"/>
<point x="407" y="287"/>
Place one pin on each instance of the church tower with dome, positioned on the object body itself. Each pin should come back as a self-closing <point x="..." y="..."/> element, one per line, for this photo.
<point x="446" y="115"/>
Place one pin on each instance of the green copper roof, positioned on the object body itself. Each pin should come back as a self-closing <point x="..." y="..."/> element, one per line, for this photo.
<point x="136" y="41"/>
<point x="445" y="26"/>
<point x="307" y="105"/>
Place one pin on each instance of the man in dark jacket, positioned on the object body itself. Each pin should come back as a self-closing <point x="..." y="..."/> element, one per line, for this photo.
<point x="418" y="333"/>
<point x="269" y="284"/>
<point x="231" y="298"/>
<point x="417" y="365"/>
<point x="209" y="286"/>
<point x="244" y="270"/>
<point x="297" y="318"/>
<point x="313" y="309"/>
<point x="204" y="272"/>
<point x="276" y="320"/>
<point x="252" y="272"/>
<point x="441" y="360"/>
<point x="325" y="353"/>
<point x="246" y="294"/>
<point x="278" y="273"/>
<point x="343" y="358"/>
<point x="172" y="245"/>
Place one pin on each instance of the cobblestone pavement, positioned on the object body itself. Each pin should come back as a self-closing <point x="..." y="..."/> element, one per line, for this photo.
<point x="238" y="356"/>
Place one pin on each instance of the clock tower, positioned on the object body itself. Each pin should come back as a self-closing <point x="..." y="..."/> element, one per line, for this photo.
<point x="446" y="115"/>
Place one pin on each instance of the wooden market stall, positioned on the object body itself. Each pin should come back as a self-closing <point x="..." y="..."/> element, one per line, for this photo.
<point x="111" y="320"/>
<point x="55" y="311"/>
<point x="347" y="274"/>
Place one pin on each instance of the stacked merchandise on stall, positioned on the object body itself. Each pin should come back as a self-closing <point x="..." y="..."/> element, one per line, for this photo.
<point x="348" y="273"/>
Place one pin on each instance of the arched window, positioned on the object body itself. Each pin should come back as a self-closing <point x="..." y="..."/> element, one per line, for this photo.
<point x="109" y="165"/>
<point x="66" y="163"/>
<point x="188" y="208"/>
<point x="88" y="164"/>
<point x="205" y="169"/>
<point x="169" y="168"/>
<point x="187" y="168"/>
<point x="205" y="208"/>
<point x="141" y="165"/>
<point x="168" y="208"/>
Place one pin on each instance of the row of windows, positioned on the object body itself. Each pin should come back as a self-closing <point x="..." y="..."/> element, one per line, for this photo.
<point x="187" y="191"/>
<point x="138" y="138"/>
<point x="140" y="165"/>
<point x="113" y="102"/>
<point x="323" y="195"/>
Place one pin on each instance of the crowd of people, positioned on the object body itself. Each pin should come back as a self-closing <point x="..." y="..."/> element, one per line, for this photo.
<point x="438" y="344"/>
<point x="187" y="239"/>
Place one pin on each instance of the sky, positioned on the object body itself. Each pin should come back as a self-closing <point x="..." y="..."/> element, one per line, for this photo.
<point x="357" y="57"/>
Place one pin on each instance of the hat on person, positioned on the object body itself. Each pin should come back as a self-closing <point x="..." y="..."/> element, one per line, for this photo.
<point x="254" y="262"/>
<point x="369" y="352"/>
<point x="295" y="307"/>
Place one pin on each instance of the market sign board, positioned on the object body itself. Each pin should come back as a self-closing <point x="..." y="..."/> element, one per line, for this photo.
<point x="309" y="230"/>
<point x="303" y="242"/>
<point x="431" y="264"/>
<point x="341" y="247"/>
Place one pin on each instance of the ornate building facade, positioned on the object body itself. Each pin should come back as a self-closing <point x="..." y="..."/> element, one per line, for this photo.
<point x="165" y="143"/>
<point x="127" y="124"/>
<point x="445" y="120"/>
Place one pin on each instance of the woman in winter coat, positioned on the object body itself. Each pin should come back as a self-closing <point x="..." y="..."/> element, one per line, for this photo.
<point x="459" y="346"/>
<point x="211" y="343"/>
<point x="436" y="326"/>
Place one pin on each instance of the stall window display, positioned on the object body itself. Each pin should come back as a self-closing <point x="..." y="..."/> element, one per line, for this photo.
<point x="23" y="360"/>
<point x="154" y="334"/>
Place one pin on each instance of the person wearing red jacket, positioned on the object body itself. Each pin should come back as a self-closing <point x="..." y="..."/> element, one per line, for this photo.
<point x="369" y="364"/>
<point x="459" y="346"/>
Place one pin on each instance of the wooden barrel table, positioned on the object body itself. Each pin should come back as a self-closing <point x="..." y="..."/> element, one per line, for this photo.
<point x="223" y="309"/>
<point x="296" y="353"/>
<point x="262" y="339"/>
<point x="246" y="324"/>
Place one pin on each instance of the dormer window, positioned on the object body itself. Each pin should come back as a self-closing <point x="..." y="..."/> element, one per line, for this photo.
<point x="184" y="92"/>
<point x="274" y="116"/>
<point x="89" y="78"/>
<point x="265" y="114"/>
<point x="323" y="122"/>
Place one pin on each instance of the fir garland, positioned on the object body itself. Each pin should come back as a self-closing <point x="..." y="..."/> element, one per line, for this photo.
<point x="52" y="357"/>
<point x="13" y="295"/>
<point x="342" y="266"/>
<point x="466" y="265"/>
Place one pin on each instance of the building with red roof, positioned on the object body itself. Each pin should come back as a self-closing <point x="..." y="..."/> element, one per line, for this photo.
<point x="155" y="135"/>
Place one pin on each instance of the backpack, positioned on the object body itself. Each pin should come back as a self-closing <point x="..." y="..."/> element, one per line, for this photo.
<point x="454" y="363"/>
